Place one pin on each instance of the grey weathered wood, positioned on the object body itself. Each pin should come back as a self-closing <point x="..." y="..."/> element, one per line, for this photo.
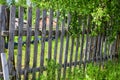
<point x="88" y="37"/>
<point x="101" y="48"/>
<point x="61" y="48"/>
<point x="4" y="67"/>
<point x="50" y="35"/>
<point x="56" y="37"/>
<point x="66" y="48"/>
<point x="71" y="52"/>
<point x="82" y="43"/>
<point x="108" y="50"/>
<point x="76" y="53"/>
<point x="86" y="49"/>
<point x="105" y="47"/>
<point x="2" y="25"/>
<point x="28" y="38"/>
<point x="5" y="33"/>
<point x="43" y="41"/>
<point x="98" y="47"/>
<point x="36" y="42"/>
<point x="95" y="47"/>
<point x="89" y="47"/>
<point x="11" y="60"/>
<point x="113" y="49"/>
<point x="19" y="56"/>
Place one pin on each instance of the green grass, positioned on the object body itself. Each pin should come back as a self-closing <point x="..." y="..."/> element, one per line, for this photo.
<point x="110" y="71"/>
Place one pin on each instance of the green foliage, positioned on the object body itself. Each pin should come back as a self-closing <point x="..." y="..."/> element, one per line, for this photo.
<point x="3" y="2"/>
<point x="105" y="14"/>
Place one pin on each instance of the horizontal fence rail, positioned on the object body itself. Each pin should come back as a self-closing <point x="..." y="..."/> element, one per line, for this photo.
<point x="28" y="44"/>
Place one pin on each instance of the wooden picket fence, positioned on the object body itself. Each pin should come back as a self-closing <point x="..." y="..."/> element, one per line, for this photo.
<point x="69" y="52"/>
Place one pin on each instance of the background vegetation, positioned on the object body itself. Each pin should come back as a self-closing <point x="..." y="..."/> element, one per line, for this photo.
<point x="104" y="13"/>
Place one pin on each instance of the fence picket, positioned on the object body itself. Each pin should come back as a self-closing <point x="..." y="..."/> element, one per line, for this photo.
<point x="101" y="48"/>
<point x="43" y="41"/>
<point x="2" y="25"/>
<point x="98" y="47"/>
<point x="11" y="61"/>
<point x="56" y="36"/>
<point x="66" y="48"/>
<point x="82" y="44"/>
<point x="89" y="48"/>
<point x="19" y="56"/>
<point x="95" y="47"/>
<point x="28" y="39"/>
<point x="61" y="48"/>
<point x="86" y="50"/>
<point x="76" y="53"/>
<point x="36" y="43"/>
<point x="71" y="53"/>
<point x="50" y="34"/>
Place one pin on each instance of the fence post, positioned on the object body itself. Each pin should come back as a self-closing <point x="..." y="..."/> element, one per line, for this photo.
<point x="5" y="67"/>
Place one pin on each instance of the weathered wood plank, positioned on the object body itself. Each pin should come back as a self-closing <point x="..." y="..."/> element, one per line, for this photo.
<point x="113" y="49"/>
<point x="50" y="35"/>
<point x="71" y="52"/>
<point x="66" y="48"/>
<point x="19" y="56"/>
<point x="28" y="39"/>
<point x="95" y="47"/>
<point x="43" y="40"/>
<point x="89" y="47"/>
<point x="61" y="49"/>
<point x="56" y="37"/>
<point x="101" y="48"/>
<point x="11" y="60"/>
<point x="98" y="46"/>
<point x="77" y="47"/>
<point x="5" y="33"/>
<point x="105" y="49"/>
<point x="88" y="37"/>
<point x="4" y="67"/>
<point x="2" y="24"/>
<point x="36" y="43"/>
<point x="86" y="49"/>
<point x="2" y="27"/>
<point x="82" y="43"/>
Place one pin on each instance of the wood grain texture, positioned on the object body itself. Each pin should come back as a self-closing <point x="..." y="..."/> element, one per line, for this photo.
<point x="56" y="36"/>
<point x="66" y="47"/>
<point x="43" y="40"/>
<point x="19" y="56"/>
<point x="4" y="66"/>
<point x="36" y="43"/>
<point x="61" y="48"/>
<point x="11" y="59"/>
<point x="28" y="39"/>
<point x="50" y="35"/>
